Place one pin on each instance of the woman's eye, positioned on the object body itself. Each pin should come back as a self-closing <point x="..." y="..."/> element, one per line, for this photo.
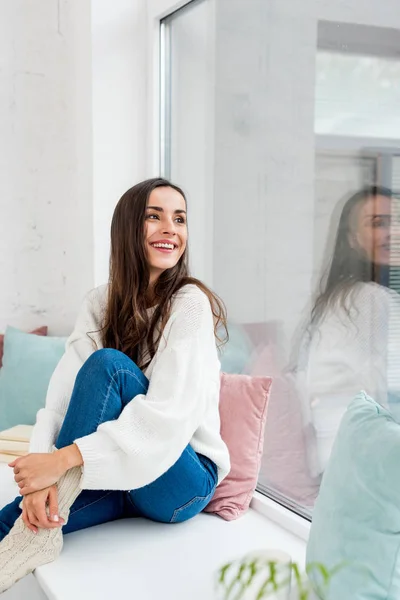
<point x="379" y="222"/>
<point x="153" y="216"/>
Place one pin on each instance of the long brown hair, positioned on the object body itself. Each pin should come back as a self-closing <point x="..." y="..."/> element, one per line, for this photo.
<point x="348" y="265"/>
<point x="127" y="325"/>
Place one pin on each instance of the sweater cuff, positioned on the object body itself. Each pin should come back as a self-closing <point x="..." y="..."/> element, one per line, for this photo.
<point x="95" y="449"/>
<point x="45" y="432"/>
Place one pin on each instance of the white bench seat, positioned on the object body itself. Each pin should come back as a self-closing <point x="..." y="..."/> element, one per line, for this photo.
<point x="137" y="558"/>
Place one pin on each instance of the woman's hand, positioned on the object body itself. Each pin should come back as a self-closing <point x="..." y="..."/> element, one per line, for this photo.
<point x="35" y="472"/>
<point x="40" y="509"/>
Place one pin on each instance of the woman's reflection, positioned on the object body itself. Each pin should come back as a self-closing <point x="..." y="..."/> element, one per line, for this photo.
<point x="353" y="338"/>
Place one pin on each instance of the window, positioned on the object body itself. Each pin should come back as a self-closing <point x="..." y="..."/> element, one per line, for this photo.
<point x="273" y="115"/>
<point x="187" y="144"/>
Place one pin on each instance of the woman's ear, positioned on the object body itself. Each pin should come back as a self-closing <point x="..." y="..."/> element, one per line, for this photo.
<point x="352" y="240"/>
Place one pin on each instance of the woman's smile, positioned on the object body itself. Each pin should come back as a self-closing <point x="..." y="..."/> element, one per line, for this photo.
<point x="165" y="246"/>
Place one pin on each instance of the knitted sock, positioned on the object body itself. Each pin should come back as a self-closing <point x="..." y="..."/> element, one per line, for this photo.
<point x="22" y="551"/>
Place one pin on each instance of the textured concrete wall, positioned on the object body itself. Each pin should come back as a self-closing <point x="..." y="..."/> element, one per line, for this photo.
<point x="46" y="212"/>
<point x="72" y="140"/>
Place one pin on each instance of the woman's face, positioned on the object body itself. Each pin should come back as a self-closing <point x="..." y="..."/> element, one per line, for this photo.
<point x="370" y="229"/>
<point x="165" y="230"/>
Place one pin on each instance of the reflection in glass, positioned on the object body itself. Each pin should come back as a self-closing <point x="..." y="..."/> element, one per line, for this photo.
<point x="276" y="114"/>
<point x="348" y="345"/>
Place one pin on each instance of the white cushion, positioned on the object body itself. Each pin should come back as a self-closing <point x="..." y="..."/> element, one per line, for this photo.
<point x="146" y="560"/>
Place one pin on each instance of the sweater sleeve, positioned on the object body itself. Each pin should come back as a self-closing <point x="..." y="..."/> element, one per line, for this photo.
<point x="353" y="350"/>
<point x="153" y="429"/>
<point x="387" y="320"/>
<point x="78" y="348"/>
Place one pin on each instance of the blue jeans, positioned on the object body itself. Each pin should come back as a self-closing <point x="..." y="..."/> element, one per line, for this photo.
<point x="105" y="384"/>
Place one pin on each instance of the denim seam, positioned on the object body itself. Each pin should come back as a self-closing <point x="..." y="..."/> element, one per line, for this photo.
<point x="127" y="372"/>
<point x="73" y="512"/>
<point x="198" y="463"/>
<point x="178" y="511"/>
<point x="205" y="470"/>
<point x="132" y="502"/>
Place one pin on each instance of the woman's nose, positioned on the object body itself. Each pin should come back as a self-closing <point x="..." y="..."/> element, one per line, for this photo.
<point x="169" y="228"/>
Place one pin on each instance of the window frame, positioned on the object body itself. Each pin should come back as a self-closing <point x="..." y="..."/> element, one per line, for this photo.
<point x="157" y="10"/>
<point x="266" y="501"/>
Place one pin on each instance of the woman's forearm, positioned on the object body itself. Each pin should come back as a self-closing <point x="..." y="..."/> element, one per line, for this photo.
<point x="70" y="457"/>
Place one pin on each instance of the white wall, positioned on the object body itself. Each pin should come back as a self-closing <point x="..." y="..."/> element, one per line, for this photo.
<point x="46" y="241"/>
<point x="119" y="112"/>
<point x="71" y="71"/>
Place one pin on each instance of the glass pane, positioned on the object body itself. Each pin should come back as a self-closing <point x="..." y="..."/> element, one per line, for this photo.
<point x="189" y="144"/>
<point x="280" y="113"/>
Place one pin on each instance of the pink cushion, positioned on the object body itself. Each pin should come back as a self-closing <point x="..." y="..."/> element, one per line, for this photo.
<point x="38" y="331"/>
<point x="243" y="411"/>
<point x="284" y="465"/>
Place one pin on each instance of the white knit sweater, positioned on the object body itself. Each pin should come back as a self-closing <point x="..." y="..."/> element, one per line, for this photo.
<point x="349" y="351"/>
<point x="180" y="407"/>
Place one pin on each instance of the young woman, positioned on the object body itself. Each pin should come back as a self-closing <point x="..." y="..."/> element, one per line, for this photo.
<point x="131" y="424"/>
<point x="353" y="339"/>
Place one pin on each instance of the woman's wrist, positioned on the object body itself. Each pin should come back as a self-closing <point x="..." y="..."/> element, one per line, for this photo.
<point x="70" y="457"/>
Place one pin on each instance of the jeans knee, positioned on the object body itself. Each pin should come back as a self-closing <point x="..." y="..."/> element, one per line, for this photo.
<point x="106" y="358"/>
<point x="107" y="361"/>
<point x="107" y="355"/>
<point x="107" y="364"/>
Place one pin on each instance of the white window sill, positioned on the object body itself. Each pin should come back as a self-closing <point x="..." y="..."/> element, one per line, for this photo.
<point x="97" y="562"/>
<point x="282" y="516"/>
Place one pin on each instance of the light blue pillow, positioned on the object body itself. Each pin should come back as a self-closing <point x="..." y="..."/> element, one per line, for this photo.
<point x="28" y="363"/>
<point x="356" y="519"/>
<point x="236" y="352"/>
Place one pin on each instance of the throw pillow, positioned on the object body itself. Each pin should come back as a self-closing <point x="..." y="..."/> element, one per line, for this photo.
<point x="284" y="464"/>
<point x="38" y="331"/>
<point x="243" y="411"/>
<point x="357" y="514"/>
<point x="28" y="363"/>
<point x="235" y="353"/>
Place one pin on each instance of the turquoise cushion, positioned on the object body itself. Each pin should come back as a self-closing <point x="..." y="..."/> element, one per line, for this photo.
<point x="28" y="363"/>
<point x="356" y="519"/>
<point x="236" y="352"/>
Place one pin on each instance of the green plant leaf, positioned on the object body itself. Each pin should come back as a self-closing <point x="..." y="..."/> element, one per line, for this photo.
<point x="244" y="572"/>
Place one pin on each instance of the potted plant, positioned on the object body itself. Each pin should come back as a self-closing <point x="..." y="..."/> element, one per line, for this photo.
<point x="271" y="575"/>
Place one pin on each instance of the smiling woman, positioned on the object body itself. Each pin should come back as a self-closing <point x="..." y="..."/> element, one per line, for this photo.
<point x="131" y="424"/>
<point x="166" y="229"/>
<point x="152" y="213"/>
